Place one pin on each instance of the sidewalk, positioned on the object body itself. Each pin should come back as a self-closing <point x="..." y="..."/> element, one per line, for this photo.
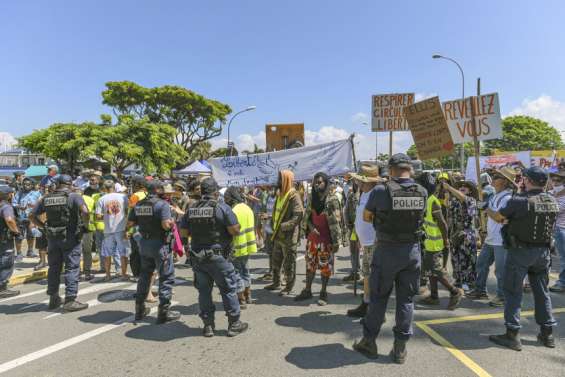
<point x="24" y="273"/>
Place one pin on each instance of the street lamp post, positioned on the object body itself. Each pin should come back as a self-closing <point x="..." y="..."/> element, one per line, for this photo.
<point x="249" y="108"/>
<point x="462" y="146"/>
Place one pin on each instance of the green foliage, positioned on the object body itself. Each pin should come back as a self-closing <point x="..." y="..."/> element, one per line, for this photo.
<point x="383" y="157"/>
<point x="446" y="162"/>
<point x="195" y="117"/>
<point x="524" y="133"/>
<point x="255" y="150"/>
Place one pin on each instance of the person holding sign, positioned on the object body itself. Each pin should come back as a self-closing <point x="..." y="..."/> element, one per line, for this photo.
<point x="396" y="210"/>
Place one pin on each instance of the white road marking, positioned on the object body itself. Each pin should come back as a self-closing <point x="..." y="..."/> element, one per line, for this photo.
<point x="92" y="303"/>
<point x="67" y="343"/>
<point x="93" y="289"/>
<point x="32" y="293"/>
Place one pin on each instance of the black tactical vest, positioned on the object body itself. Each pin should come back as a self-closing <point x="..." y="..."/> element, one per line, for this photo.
<point x="149" y="224"/>
<point x="403" y="222"/>
<point x="57" y="209"/>
<point x="202" y="219"/>
<point x="537" y="227"/>
<point x="5" y="234"/>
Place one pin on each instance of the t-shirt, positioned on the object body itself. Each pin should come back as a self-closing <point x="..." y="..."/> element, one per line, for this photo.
<point x="496" y="202"/>
<point x="364" y="230"/>
<point x="224" y="218"/>
<point x="560" y="221"/>
<point x="24" y="202"/>
<point x="113" y="207"/>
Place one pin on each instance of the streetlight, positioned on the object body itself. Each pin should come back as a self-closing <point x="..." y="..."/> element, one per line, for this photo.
<point x="462" y="147"/>
<point x="249" y="108"/>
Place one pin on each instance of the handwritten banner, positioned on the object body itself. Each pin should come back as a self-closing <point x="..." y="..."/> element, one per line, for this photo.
<point x="429" y="129"/>
<point x="486" y="110"/>
<point x="335" y="158"/>
<point x="510" y="159"/>
<point x="388" y="114"/>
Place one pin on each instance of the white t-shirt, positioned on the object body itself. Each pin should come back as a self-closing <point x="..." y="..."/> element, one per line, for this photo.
<point x="113" y="206"/>
<point x="496" y="202"/>
<point x="365" y="231"/>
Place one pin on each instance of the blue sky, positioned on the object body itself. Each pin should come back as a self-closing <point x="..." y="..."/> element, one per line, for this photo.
<point x="316" y="62"/>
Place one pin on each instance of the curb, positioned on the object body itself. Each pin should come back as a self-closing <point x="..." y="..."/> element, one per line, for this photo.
<point x="39" y="275"/>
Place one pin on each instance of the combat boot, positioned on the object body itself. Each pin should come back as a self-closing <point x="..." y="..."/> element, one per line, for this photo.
<point x="141" y="311"/>
<point x="241" y="299"/>
<point x="247" y="295"/>
<point x="166" y="315"/>
<point x="5" y="292"/>
<point x="510" y="340"/>
<point x="304" y="295"/>
<point x="367" y="347"/>
<point x="72" y="305"/>
<point x="237" y="327"/>
<point x="398" y="353"/>
<point x="276" y="284"/>
<point x="545" y="337"/>
<point x="54" y="301"/>
<point x="208" y="330"/>
<point x="358" y="312"/>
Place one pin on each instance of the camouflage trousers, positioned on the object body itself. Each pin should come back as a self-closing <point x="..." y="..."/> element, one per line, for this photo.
<point x="284" y="258"/>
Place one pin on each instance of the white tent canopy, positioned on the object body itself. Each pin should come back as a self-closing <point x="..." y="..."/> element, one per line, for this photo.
<point x="195" y="168"/>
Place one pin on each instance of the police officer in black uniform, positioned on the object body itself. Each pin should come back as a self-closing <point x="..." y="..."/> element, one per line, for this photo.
<point x="211" y="226"/>
<point x="530" y="218"/>
<point x="8" y="231"/>
<point x="67" y="216"/>
<point x="396" y="209"/>
<point x="153" y="217"/>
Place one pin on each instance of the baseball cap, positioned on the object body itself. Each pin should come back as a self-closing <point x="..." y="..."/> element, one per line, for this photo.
<point x="400" y="160"/>
<point x="536" y="174"/>
<point x="208" y="186"/>
<point x="154" y="185"/>
<point x="64" y="179"/>
<point x="5" y="189"/>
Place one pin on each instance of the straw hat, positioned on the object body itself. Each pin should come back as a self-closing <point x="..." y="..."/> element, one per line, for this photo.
<point x="470" y="185"/>
<point x="367" y="174"/>
<point x="508" y="173"/>
<point x="168" y="189"/>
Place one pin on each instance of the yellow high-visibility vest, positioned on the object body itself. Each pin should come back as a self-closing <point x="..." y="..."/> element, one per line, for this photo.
<point x="98" y="224"/>
<point x="244" y="243"/>
<point x="90" y="205"/>
<point x="434" y="239"/>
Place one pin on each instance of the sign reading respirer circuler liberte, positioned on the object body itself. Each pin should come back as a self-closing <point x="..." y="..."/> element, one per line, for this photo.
<point x="388" y="112"/>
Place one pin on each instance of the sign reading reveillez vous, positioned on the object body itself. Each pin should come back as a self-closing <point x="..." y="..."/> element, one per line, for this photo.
<point x="429" y="129"/>
<point x="335" y="158"/>
<point x="387" y="111"/>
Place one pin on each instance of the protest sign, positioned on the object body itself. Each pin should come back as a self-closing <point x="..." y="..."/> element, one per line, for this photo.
<point x="335" y="158"/>
<point x="511" y="159"/>
<point x="459" y="116"/>
<point x="387" y="112"/>
<point x="429" y="129"/>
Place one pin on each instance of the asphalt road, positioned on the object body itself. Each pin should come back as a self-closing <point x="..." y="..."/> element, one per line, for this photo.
<point x="285" y="338"/>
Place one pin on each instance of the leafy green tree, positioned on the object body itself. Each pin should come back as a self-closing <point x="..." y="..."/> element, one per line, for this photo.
<point x="524" y="133"/>
<point x="255" y="150"/>
<point x="195" y="117"/>
<point x="222" y="152"/>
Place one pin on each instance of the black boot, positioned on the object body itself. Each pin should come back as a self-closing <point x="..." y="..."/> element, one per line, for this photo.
<point x="323" y="301"/>
<point x="54" y="302"/>
<point x="360" y="311"/>
<point x="141" y="311"/>
<point x="166" y="315"/>
<point x="5" y="292"/>
<point x="208" y="330"/>
<point x="545" y="337"/>
<point x="72" y="305"/>
<point x="510" y="340"/>
<point x="237" y="327"/>
<point x="276" y="284"/>
<point x="398" y="353"/>
<point x="367" y="347"/>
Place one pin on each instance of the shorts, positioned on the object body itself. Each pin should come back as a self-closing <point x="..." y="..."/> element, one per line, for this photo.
<point x="367" y="259"/>
<point x="433" y="264"/>
<point x="41" y="242"/>
<point x="114" y="245"/>
<point x="24" y="226"/>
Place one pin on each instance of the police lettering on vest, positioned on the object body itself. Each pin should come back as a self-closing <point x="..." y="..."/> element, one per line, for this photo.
<point x="202" y="218"/>
<point x="149" y="225"/>
<point x="58" y="214"/>
<point x="536" y="227"/>
<point x="403" y="222"/>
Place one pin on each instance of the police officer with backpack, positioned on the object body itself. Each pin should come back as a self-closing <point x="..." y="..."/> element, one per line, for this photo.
<point x="211" y="226"/>
<point x="8" y="231"/>
<point x="153" y="217"/>
<point x="396" y="210"/>
<point x="530" y="218"/>
<point x="67" y="216"/>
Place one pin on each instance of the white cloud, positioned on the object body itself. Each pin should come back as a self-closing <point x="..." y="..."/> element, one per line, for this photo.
<point x="365" y="143"/>
<point x="7" y="141"/>
<point x="359" y="118"/>
<point x="324" y="135"/>
<point x="545" y="108"/>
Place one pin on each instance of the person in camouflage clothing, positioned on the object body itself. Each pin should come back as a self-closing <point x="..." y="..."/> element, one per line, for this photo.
<point x="286" y="220"/>
<point x="349" y="215"/>
<point x="324" y="236"/>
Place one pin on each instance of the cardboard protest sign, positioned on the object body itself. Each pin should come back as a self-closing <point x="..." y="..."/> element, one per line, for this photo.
<point x="429" y="129"/>
<point x="486" y="110"/>
<point x="388" y="114"/>
<point x="510" y="159"/>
